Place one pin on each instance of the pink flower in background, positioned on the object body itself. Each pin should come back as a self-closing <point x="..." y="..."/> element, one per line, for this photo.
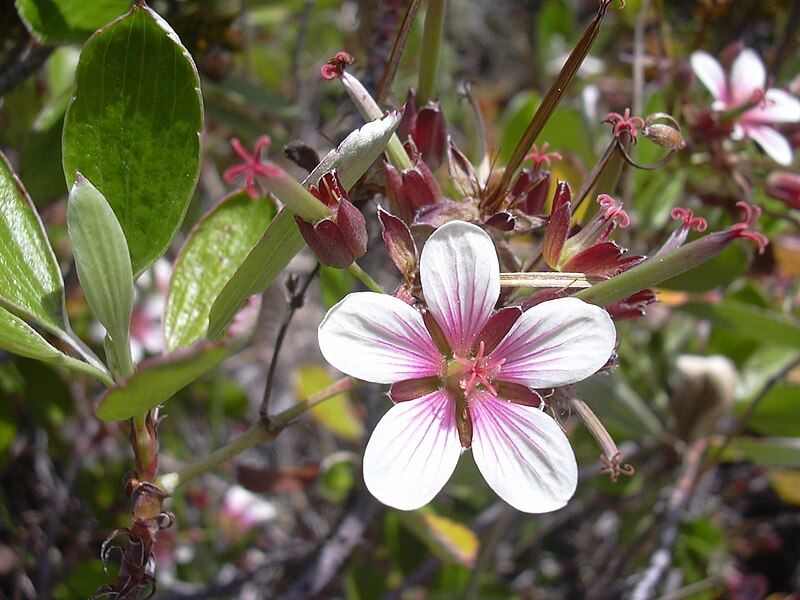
<point x="464" y="376"/>
<point x="745" y="90"/>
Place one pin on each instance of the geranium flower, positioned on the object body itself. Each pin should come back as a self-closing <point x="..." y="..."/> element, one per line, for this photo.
<point x="746" y="91"/>
<point x="463" y="375"/>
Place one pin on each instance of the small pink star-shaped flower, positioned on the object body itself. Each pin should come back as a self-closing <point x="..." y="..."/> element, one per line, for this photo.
<point x="251" y="167"/>
<point x="542" y="156"/>
<point x="625" y="122"/>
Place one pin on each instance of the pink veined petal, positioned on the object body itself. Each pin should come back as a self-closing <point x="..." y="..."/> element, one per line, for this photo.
<point x="556" y="343"/>
<point x="461" y="281"/>
<point x="747" y="76"/>
<point x="413" y="451"/>
<point x="779" y="107"/>
<point x="773" y="143"/>
<point x="378" y="338"/>
<point x="710" y="73"/>
<point x="523" y="454"/>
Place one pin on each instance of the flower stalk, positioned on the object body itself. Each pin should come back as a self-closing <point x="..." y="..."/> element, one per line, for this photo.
<point x="430" y="54"/>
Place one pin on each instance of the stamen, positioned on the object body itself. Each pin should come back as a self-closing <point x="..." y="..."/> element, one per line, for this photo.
<point x="481" y="371"/>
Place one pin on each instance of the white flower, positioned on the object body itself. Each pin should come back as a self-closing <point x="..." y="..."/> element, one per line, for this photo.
<point x="745" y="90"/>
<point x="465" y="375"/>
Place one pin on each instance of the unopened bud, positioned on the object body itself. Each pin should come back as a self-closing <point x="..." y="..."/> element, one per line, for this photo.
<point x="666" y="136"/>
<point x="703" y="392"/>
<point x="784" y="186"/>
<point x="340" y="238"/>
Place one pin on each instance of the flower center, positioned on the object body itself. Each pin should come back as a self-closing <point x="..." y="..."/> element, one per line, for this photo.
<point x="467" y="373"/>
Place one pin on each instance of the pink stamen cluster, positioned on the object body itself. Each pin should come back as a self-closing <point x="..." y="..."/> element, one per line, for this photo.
<point x="542" y="156"/>
<point x="624" y="123"/>
<point x="689" y="221"/>
<point x="743" y="228"/>
<point x="251" y="167"/>
<point x="481" y="370"/>
<point x="613" y="211"/>
<point x="336" y="66"/>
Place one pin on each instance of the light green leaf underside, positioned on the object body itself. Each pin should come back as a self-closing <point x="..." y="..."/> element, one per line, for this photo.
<point x="101" y="258"/>
<point x="133" y="129"/>
<point x="213" y="251"/>
<point x="273" y="251"/>
<point x="18" y="337"/>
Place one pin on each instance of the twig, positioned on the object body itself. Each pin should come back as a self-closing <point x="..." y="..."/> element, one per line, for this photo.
<point x="335" y="551"/>
<point x="29" y="57"/>
<point x="397" y="51"/>
<point x="295" y="301"/>
<point x="661" y="558"/>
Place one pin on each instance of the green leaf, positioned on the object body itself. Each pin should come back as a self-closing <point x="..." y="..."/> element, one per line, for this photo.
<point x="158" y="379"/>
<point x="18" y="337"/>
<point x="215" y="248"/>
<point x="448" y="539"/>
<point x="777" y="412"/>
<point x="30" y="280"/>
<point x="749" y="321"/>
<point x="102" y="260"/>
<point x="357" y="152"/>
<point x="63" y="21"/>
<point x="273" y="251"/>
<point x="618" y="405"/>
<point x="787" y="485"/>
<point x="767" y="452"/>
<point x="133" y="128"/>
<point x="337" y="413"/>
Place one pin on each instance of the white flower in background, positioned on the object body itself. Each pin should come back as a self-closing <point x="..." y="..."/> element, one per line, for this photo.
<point x="466" y="377"/>
<point x="745" y="90"/>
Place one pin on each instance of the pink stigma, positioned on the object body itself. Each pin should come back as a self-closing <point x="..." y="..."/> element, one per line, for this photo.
<point x="684" y="214"/>
<point x="743" y="228"/>
<point x="612" y="210"/>
<point x="481" y="370"/>
<point x="336" y="66"/>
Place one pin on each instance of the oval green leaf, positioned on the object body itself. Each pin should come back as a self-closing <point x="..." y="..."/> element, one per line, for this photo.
<point x="215" y="248"/>
<point x="30" y="280"/>
<point x="158" y="379"/>
<point x="102" y="260"/>
<point x="63" y="21"/>
<point x="133" y="128"/>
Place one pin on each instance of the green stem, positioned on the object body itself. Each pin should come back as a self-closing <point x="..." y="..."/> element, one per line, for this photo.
<point x="258" y="433"/>
<point x="430" y="53"/>
<point x="364" y="278"/>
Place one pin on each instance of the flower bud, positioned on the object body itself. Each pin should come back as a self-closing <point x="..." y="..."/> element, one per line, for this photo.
<point x="340" y="238"/>
<point x="665" y="136"/>
<point x="427" y="128"/>
<point x="409" y="190"/>
<point x="784" y="186"/>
